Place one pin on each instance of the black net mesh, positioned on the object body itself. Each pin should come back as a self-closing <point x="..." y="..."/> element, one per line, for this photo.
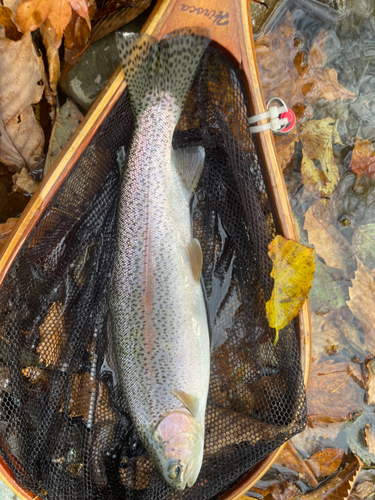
<point x="64" y="429"/>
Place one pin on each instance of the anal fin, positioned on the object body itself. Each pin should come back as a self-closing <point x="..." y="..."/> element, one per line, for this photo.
<point x="195" y="256"/>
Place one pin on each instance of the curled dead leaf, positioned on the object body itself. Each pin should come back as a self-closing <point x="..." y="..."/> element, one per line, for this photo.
<point x="24" y="183"/>
<point x="50" y="42"/>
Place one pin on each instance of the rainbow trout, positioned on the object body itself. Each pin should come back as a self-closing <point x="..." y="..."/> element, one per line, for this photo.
<point x="158" y="315"/>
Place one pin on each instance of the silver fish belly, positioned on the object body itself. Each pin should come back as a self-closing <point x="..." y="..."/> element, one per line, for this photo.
<point x="158" y="315"/>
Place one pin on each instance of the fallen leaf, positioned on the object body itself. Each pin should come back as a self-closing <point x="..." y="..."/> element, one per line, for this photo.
<point x="50" y="42"/>
<point x="297" y="78"/>
<point x="326" y="377"/>
<point x="285" y="146"/>
<point x="291" y="459"/>
<point x="22" y="139"/>
<point x="23" y="182"/>
<point x="276" y="490"/>
<point x="67" y="120"/>
<point x="326" y="293"/>
<point x="363" y="244"/>
<point x="325" y="336"/>
<point x="5" y="230"/>
<point x="317" y="137"/>
<point x="293" y="272"/>
<point x="364" y="489"/>
<point x="77" y="35"/>
<point x="6" y="21"/>
<point x="363" y="158"/>
<point x="32" y="13"/>
<point x="362" y="302"/>
<point x="326" y="462"/>
<point x="328" y="242"/>
<point x="350" y="333"/>
<point x="339" y="486"/>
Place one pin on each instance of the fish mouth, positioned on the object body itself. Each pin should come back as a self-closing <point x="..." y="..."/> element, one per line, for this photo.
<point x="190" y="473"/>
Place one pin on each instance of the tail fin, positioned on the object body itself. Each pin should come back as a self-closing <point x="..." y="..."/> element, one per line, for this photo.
<point x="159" y="68"/>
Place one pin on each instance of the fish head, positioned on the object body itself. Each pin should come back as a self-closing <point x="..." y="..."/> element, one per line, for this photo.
<point x="179" y="447"/>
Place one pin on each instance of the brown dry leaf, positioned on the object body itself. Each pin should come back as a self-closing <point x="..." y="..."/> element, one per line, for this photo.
<point x="5" y="230"/>
<point x="52" y="336"/>
<point x="77" y="35"/>
<point x="6" y="21"/>
<point x="362" y="302"/>
<point x="22" y="139"/>
<point x="328" y="242"/>
<point x="50" y="42"/>
<point x="364" y="489"/>
<point x="285" y="146"/>
<point x="107" y="21"/>
<point x="291" y="459"/>
<point x="321" y="403"/>
<point x="339" y="486"/>
<point x="24" y="183"/>
<point x="32" y="13"/>
<point x="317" y="137"/>
<point x="290" y="77"/>
<point x="277" y="489"/>
<point x="363" y="159"/>
<point x="326" y="462"/>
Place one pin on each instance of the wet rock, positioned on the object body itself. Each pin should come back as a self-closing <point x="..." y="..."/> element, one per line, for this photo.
<point x="86" y="80"/>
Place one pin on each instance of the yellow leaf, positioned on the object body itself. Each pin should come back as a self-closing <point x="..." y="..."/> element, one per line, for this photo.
<point x="293" y="272"/>
<point x="317" y="137"/>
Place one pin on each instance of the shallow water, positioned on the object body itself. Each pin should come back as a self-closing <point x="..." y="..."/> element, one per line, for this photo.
<point x="325" y="72"/>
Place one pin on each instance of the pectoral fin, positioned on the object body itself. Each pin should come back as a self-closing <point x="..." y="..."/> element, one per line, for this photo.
<point x="195" y="255"/>
<point x="189" y="164"/>
<point x="191" y="402"/>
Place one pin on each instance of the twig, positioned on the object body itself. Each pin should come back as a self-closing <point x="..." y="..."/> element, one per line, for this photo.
<point x="348" y="375"/>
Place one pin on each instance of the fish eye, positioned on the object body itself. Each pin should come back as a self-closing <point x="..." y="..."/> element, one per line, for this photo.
<point x="174" y="471"/>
